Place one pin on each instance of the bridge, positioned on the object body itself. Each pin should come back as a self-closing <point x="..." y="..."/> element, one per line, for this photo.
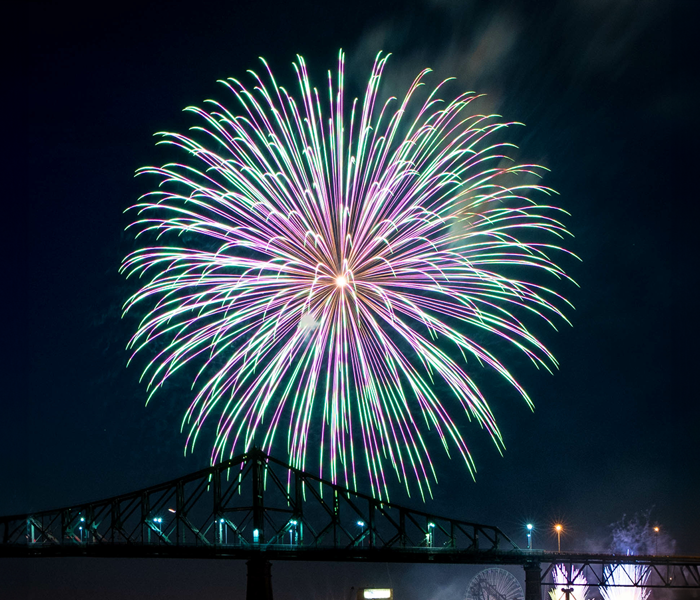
<point x="257" y="508"/>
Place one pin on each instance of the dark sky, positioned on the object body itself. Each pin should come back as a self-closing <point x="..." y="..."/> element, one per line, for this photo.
<point x="608" y="90"/>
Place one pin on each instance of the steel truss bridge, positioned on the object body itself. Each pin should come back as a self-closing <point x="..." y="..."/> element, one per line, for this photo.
<point x="257" y="508"/>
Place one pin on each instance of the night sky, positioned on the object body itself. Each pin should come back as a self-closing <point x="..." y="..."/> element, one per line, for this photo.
<point x="608" y="91"/>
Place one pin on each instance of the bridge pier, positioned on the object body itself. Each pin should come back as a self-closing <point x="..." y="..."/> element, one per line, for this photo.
<point x="533" y="588"/>
<point x="259" y="584"/>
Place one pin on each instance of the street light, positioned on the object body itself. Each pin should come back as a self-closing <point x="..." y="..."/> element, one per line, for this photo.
<point x="431" y="526"/>
<point x="656" y="537"/>
<point x="558" y="529"/>
<point x="223" y="532"/>
<point x="361" y="525"/>
<point x="293" y="531"/>
<point x="530" y="527"/>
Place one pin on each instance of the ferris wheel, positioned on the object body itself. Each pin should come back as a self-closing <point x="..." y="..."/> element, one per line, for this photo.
<point x="494" y="584"/>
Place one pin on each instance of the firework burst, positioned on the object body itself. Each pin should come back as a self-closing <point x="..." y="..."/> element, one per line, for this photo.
<point x="327" y="268"/>
<point x="562" y="576"/>
<point x="621" y="578"/>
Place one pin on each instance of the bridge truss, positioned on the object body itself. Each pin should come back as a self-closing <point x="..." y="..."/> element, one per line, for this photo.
<point x="257" y="508"/>
<point x="250" y="503"/>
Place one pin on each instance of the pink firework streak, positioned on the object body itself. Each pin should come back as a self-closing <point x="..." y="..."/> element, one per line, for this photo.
<point x="327" y="268"/>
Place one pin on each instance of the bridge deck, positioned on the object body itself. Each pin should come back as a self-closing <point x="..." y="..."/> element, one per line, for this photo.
<point x="255" y="506"/>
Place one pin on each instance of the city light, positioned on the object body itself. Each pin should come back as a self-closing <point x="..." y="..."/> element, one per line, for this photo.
<point x="223" y="531"/>
<point x="158" y="521"/>
<point x="429" y="535"/>
<point x="361" y="525"/>
<point x="558" y="528"/>
<point x="376" y="594"/>
<point x="657" y="529"/>
<point x="530" y="527"/>
<point x="293" y="531"/>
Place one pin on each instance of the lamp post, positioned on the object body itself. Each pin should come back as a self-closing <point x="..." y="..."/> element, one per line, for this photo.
<point x="656" y="539"/>
<point x="529" y="536"/>
<point x="158" y="525"/>
<point x="223" y="532"/>
<point x="558" y="528"/>
<point x="293" y="531"/>
<point x="431" y="526"/>
<point x="361" y="525"/>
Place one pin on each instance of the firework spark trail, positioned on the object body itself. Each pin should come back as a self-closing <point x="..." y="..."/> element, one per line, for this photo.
<point x="315" y="257"/>
<point x="562" y="576"/>
<point x="626" y="575"/>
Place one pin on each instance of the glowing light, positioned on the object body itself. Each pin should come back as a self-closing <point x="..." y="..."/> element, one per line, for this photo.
<point x="530" y="527"/>
<point x="376" y="594"/>
<point x="441" y="241"/>
<point x="558" y="528"/>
